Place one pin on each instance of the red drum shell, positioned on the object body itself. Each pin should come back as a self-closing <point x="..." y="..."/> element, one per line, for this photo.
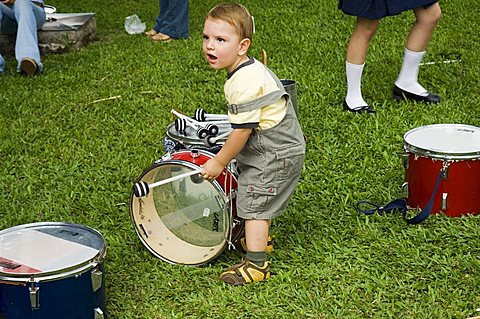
<point x="458" y="147"/>
<point x="462" y="185"/>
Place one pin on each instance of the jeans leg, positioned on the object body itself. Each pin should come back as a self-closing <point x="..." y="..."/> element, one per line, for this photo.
<point x="29" y="18"/>
<point x="175" y="20"/>
<point x="163" y="5"/>
<point x="2" y="61"/>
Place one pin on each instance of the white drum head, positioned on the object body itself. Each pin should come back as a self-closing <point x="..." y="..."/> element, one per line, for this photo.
<point x="182" y="222"/>
<point x="43" y="250"/>
<point x="446" y="141"/>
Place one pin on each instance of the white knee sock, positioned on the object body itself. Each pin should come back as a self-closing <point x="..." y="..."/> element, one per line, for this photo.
<point x="408" y="78"/>
<point x="354" y="97"/>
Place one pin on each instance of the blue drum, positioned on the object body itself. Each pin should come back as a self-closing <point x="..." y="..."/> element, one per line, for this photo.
<point x="52" y="271"/>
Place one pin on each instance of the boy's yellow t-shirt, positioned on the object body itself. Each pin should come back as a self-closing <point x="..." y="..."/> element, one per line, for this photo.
<point x="249" y="82"/>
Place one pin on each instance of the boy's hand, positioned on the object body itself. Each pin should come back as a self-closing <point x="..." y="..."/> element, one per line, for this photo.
<point x="211" y="169"/>
<point x="8" y="1"/>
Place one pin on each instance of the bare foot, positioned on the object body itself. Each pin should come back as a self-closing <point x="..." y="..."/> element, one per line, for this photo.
<point x="161" y="37"/>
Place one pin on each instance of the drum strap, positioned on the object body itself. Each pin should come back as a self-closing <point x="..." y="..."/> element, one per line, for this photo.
<point x="401" y="206"/>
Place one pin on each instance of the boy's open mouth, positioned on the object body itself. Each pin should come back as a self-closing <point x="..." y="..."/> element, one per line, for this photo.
<point x="211" y="57"/>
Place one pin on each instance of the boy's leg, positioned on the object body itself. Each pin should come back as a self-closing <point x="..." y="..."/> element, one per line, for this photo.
<point x="255" y="267"/>
<point x="242" y="242"/>
<point x="256" y="233"/>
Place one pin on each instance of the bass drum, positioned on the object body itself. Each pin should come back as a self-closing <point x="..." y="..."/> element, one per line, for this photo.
<point x="188" y="221"/>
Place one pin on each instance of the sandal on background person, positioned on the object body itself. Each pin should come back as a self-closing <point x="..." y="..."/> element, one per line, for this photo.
<point x="161" y="37"/>
<point x="151" y="33"/>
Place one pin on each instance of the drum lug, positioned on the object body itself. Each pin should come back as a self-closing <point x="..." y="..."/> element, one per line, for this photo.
<point x="444" y="201"/>
<point x="445" y="166"/>
<point x="194" y="153"/>
<point x="405" y="161"/>
<point x="405" y="189"/>
<point x="97" y="277"/>
<point x="98" y="313"/>
<point x="34" y="296"/>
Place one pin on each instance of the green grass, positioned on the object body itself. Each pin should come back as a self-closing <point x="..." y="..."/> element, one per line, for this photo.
<point x="67" y="159"/>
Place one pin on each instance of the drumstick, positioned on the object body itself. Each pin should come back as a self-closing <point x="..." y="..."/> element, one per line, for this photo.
<point x="196" y="122"/>
<point x="202" y="131"/>
<point x="212" y="140"/>
<point x="142" y="188"/>
<point x="202" y="116"/>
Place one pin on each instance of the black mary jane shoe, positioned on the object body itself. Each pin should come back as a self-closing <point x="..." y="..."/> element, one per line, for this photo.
<point x="361" y="109"/>
<point x="400" y="95"/>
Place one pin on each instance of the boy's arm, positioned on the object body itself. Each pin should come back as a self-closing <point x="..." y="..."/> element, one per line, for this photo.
<point x="233" y="145"/>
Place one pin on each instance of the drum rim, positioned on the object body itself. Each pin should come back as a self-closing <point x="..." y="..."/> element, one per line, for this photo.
<point x="60" y="273"/>
<point x="435" y="154"/>
<point x="216" y="185"/>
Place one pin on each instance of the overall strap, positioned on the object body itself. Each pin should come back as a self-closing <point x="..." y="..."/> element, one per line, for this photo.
<point x="262" y="101"/>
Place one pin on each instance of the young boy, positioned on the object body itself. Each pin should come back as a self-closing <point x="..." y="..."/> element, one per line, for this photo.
<point x="266" y="139"/>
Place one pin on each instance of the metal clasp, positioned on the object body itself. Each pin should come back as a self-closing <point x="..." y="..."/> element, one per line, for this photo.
<point x="34" y="293"/>
<point x="405" y="161"/>
<point x="405" y="189"/>
<point x="445" y="166"/>
<point x="97" y="279"/>
<point x="444" y="201"/>
<point x="233" y="108"/>
<point x="98" y="313"/>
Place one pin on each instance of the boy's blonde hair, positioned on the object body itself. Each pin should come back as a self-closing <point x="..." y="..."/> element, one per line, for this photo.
<point x="236" y="15"/>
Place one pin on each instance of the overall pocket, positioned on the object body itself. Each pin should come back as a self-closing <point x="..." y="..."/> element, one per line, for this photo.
<point x="259" y="197"/>
<point x="288" y="162"/>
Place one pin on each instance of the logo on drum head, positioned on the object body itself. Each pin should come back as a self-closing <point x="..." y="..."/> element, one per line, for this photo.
<point x="8" y="265"/>
<point x="216" y="221"/>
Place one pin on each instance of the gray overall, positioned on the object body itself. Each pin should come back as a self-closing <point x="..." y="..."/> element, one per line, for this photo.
<point x="271" y="161"/>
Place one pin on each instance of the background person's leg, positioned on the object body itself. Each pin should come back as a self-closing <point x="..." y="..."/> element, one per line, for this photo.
<point x="29" y="19"/>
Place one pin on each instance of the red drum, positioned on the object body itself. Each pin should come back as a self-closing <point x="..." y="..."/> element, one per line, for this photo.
<point x="190" y="220"/>
<point x="455" y="148"/>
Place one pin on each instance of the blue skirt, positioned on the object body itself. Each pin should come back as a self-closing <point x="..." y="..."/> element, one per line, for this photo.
<point x="377" y="9"/>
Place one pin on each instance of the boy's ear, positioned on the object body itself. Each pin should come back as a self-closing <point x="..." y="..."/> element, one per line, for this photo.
<point x="244" y="46"/>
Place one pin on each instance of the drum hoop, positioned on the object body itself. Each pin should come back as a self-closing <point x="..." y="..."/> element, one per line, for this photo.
<point x="193" y="166"/>
<point x="60" y="273"/>
<point x="439" y="155"/>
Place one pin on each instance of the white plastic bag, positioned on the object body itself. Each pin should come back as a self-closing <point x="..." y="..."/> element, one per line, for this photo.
<point x="133" y="25"/>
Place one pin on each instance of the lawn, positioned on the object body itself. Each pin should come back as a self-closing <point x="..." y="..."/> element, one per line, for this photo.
<point x="70" y="154"/>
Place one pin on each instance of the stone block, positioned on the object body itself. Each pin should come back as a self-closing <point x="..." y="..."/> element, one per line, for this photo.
<point x="63" y="32"/>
